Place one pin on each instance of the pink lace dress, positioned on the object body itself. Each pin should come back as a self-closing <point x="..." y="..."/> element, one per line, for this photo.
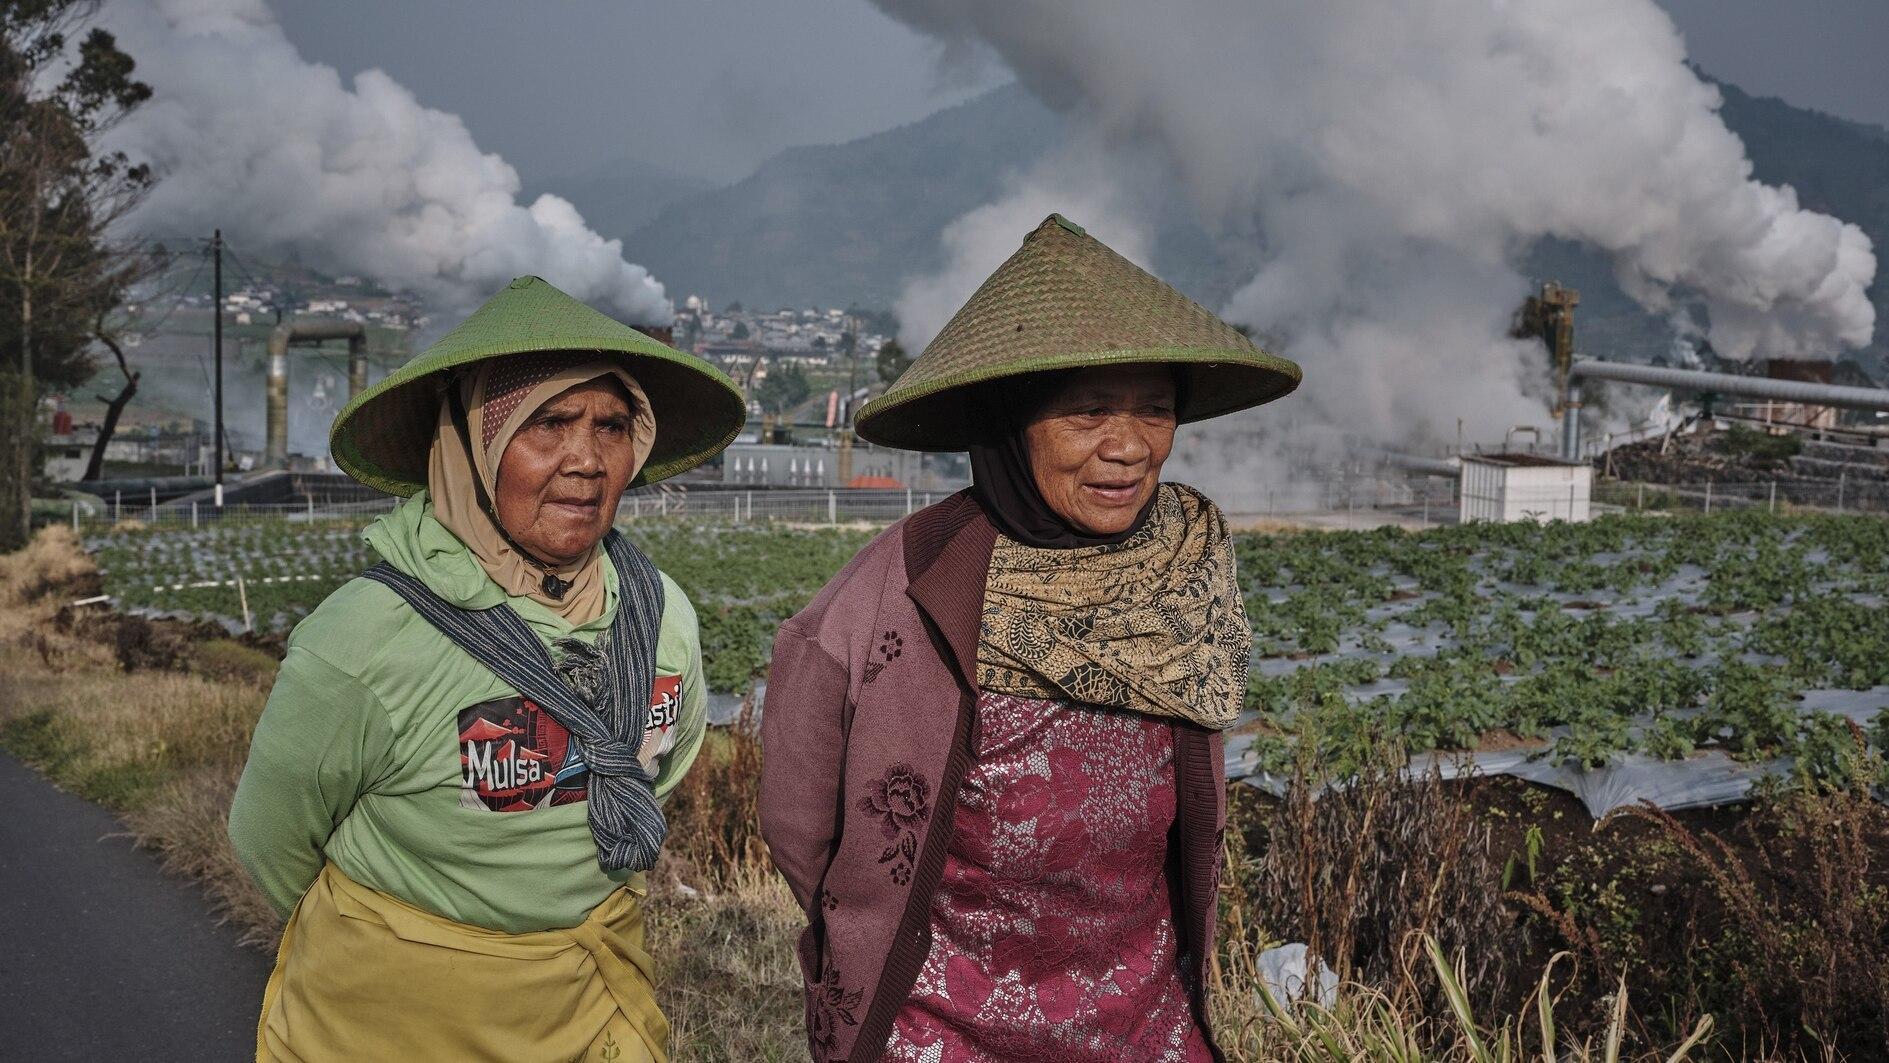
<point x="1053" y="938"/>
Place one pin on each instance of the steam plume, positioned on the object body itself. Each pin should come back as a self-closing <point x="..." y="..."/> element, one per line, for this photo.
<point x="1392" y="161"/>
<point x="286" y="158"/>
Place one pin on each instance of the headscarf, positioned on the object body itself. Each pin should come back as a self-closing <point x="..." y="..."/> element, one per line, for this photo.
<point x="1003" y="483"/>
<point x="498" y="395"/>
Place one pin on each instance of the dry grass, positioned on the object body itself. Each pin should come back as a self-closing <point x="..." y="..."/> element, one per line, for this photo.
<point x="1364" y="873"/>
<point x="729" y="982"/>
<point x="1791" y="934"/>
<point x="722" y="924"/>
<point x="1366" y="1025"/>
<point x="52" y="562"/>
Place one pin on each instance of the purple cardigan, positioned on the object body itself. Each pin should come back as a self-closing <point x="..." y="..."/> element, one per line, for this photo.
<point x="867" y="731"/>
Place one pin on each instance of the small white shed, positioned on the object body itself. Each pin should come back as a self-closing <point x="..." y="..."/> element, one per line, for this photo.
<point x="1513" y="487"/>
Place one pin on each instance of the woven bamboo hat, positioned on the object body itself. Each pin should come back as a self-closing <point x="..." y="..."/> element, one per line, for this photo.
<point x="382" y="438"/>
<point x="1066" y="301"/>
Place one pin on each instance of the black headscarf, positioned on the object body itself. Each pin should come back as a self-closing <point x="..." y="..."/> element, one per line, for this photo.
<point x="1003" y="484"/>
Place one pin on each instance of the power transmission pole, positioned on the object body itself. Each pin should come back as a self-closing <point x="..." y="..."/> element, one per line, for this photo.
<point x="216" y="273"/>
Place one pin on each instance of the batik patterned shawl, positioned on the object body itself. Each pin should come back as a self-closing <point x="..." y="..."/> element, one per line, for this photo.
<point x="1154" y="624"/>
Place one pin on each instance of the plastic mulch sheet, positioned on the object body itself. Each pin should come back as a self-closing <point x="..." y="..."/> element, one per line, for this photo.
<point x="1706" y="778"/>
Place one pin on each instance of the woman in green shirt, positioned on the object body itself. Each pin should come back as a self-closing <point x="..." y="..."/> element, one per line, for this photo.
<point x="455" y="787"/>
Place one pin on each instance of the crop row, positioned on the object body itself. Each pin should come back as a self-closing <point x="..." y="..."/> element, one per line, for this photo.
<point x="743" y="581"/>
<point x="1655" y="635"/>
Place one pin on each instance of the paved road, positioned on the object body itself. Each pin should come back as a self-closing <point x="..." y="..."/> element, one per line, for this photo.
<point x="102" y="956"/>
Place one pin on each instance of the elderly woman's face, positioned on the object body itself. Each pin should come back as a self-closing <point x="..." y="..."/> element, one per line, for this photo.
<point x="1097" y="444"/>
<point x="562" y="473"/>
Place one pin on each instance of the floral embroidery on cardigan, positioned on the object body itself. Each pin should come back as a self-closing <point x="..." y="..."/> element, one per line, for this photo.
<point x="900" y="802"/>
<point x="828" y="1004"/>
<point x="891" y="647"/>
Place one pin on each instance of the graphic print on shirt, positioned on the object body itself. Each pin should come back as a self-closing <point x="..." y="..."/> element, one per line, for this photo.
<point x="514" y="757"/>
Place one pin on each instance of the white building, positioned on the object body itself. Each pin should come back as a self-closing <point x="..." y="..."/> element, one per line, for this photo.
<point x="1516" y="487"/>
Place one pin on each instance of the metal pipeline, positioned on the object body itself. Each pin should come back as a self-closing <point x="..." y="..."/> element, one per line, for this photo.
<point x="1447" y="467"/>
<point x="305" y="334"/>
<point x="1805" y="392"/>
<point x="1808" y="393"/>
<point x="1571" y="421"/>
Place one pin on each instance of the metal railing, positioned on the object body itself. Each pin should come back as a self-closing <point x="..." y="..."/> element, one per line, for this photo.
<point x="808" y="506"/>
<point x="1346" y="501"/>
<point x="1343" y="502"/>
<point x="1775" y="496"/>
<point x="840" y="505"/>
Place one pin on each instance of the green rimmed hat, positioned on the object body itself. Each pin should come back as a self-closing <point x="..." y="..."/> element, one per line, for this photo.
<point x="383" y="437"/>
<point x="1066" y="301"/>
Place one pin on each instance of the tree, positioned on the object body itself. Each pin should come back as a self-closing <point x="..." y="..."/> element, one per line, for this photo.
<point x="114" y="407"/>
<point x="783" y="389"/>
<point x="741" y="330"/>
<point x="60" y="197"/>
<point x="892" y="361"/>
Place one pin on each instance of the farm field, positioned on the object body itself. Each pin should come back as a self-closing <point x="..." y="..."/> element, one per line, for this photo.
<point x="743" y="581"/>
<point x="1757" y="637"/>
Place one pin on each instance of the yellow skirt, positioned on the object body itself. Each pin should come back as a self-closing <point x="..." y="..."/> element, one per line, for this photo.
<point x="365" y="976"/>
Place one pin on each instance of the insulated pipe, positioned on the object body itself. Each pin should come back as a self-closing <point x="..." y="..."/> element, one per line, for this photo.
<point x="1799" y="391"/>
<point x="305" y="334"/>
<point x="1571" y="422"/>
<point x="1450" y="467"/>
<point x="357" y="364"/>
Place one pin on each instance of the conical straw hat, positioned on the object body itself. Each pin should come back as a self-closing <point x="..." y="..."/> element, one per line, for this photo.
<point x="1064" y="301"/>
<point x="382" y="438"/>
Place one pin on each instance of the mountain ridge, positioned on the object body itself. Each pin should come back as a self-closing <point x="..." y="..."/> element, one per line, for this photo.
<point x="850" y="222"/>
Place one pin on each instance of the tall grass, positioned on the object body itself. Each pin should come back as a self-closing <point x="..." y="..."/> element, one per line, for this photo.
<point x="722" y="924"/>
<point x="1365" y="1024"/>
<point x="1363" y="873"/>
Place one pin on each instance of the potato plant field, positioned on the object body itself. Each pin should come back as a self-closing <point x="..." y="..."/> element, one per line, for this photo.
<point x="1761" y="637"/>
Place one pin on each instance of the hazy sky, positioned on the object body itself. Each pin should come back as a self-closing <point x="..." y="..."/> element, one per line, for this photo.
<point x="715" y="86"/>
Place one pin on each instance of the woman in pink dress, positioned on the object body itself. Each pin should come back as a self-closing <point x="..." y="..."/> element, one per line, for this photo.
<point x="993" y="768"/>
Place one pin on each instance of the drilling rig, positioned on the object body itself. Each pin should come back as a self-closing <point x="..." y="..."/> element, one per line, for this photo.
<point x="1549" y="317"/>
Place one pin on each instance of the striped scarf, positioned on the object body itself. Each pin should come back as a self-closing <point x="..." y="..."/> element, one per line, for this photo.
<point x="606" y="720"/>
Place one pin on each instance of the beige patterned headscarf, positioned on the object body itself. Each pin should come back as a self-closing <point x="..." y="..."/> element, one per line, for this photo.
<point x="1154" y="624"/>
<point x="499" y="395"/>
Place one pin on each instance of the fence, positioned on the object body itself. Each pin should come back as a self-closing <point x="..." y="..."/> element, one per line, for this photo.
<point x="1775" y="496"/>
<point x="796" y="506"/>
<point x="837" y="506"/>
<point x="113" y="512"/>
<point x="1343" y="502"/>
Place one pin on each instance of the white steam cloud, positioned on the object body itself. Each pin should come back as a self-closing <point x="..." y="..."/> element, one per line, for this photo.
<point x="1071" y="181"/>
<point x="1392" y="161"/>
<point x="363" y="179"/>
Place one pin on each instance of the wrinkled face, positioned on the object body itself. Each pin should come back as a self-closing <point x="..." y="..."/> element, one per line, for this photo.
<point x="562" y="473"/>
<point x="1097" y="443"/>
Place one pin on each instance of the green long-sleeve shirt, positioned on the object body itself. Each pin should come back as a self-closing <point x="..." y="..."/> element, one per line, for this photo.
<point x="387" y="750"/>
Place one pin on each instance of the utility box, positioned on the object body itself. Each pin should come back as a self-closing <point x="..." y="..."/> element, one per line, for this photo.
<point x="1515" y="487"/>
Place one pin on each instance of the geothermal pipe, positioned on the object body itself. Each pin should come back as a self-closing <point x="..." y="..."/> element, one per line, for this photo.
<point x="305" y="334"/>
<point x="1803" y="392"/>
<point x="1446" y="467"/>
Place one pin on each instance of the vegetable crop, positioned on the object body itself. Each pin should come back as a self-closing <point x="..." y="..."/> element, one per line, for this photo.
<point x="1652" y="635"/>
